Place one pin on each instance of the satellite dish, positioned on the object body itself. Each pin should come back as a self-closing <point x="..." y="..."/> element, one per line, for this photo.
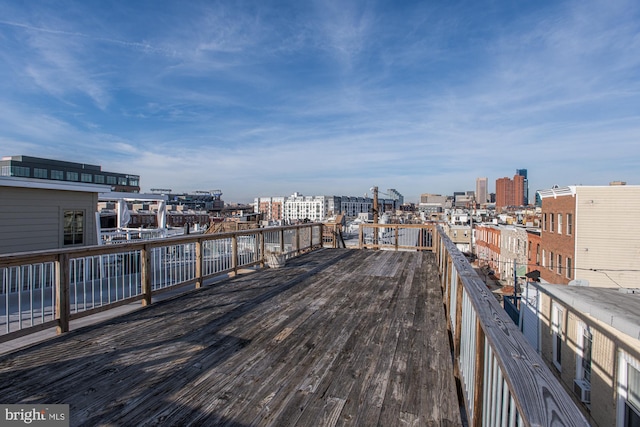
<point x="579" y="282"/>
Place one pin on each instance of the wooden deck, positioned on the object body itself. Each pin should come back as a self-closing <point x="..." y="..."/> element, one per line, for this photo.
<point x="337" y="337"/>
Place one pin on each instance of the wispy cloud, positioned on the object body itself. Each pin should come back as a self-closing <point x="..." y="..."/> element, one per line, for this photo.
<point x="327" y="97"/>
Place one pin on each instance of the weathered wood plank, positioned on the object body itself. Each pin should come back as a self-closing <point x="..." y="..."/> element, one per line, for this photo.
<point x="337" y="337"/>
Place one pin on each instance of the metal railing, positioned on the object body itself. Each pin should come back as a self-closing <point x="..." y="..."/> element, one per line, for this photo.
<point x="504" y="381"/>
<point x="49" y="288"/>
<point x="397" y="236"/>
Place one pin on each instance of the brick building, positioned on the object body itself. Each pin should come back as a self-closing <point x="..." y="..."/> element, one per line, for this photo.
<point x="510" y="192"/>
<point x="591" y="233"/>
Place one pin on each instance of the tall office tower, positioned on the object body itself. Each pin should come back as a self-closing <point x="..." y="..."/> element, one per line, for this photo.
<point x="504" y="193"/>
<point x="510" y="192"/>
<point x="525" y="189"/>
<point x="482" y="191"/>
<point x="519" y="184"/>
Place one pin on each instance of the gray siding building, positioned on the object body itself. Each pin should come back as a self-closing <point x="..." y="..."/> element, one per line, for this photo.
<point x="38" y="215"/>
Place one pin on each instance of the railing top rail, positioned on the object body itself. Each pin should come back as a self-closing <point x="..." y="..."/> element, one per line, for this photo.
<point x="379" y="225"/>
<point x="539" y="396"/>
<point x="33" y="257"/>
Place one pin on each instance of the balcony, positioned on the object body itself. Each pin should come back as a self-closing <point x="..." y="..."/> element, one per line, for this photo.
<point x="403" y="332"/>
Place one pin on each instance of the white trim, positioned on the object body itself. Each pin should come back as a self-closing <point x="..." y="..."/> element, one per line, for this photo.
<point x="557" y="320"/>
<point x="41" y="184"/>
<point x="130" y="197"/>
<point x="624" y="360"/>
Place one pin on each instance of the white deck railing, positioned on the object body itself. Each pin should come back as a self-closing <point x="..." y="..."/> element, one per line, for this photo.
<point x="50" y="288"/>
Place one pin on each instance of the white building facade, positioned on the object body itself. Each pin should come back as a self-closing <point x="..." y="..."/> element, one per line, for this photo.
<point x="297" y="207"/>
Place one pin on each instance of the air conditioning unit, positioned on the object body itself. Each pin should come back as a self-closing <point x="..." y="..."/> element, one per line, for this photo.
<point x="583" y="390"/>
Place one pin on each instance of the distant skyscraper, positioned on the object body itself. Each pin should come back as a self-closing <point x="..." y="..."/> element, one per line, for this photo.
<point x="504" y="193"/>
<point x="525" y="189"/>
<point x="482" y="191"/>
<point x="510" y="192"/>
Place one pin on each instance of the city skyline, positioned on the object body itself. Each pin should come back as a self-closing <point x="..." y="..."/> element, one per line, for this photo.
<point x="324" y="97"/>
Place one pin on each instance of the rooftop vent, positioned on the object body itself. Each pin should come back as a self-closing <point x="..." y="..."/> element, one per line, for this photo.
<point x="579" y="282"/>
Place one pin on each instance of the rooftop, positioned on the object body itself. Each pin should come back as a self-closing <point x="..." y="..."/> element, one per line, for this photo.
<point x="617" y="307"/>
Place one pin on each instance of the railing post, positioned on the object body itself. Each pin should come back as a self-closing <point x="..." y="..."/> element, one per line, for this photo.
<point x="261" y="237"/>
<point x="199" y="263"/>
<point x="478" y="389"/>
<point x="282" y="240"/>
<point x="458" y="335"/>
<point x="145" y="267"/>
<point x="397" y="237"/>
<point x="297" y="241"/>
<point x="234" y="253"/>
<point x="62" y="293"/>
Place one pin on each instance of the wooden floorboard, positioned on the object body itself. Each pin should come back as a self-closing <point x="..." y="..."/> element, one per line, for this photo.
<point x="337" y="337"/>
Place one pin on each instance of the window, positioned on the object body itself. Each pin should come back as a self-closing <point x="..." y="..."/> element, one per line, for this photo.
<point x="40" y="173"/>
<point x="556" y="329"/>
<point x="551" y="260"/>
<point x="19" y="171"/>
<point x="587" y="346"/>
<point x="551" y="223"/>
<point x="73" y="227"/>
<point x="5" y="171"/>
<point x="569" y="272"/>
<point x="537" y="253"/>
<point x="559" y="266"/>
<point x="99" y="179"/>
<point x="122" y="180"/>
<point x="559" y="223"/>
<point x="72" y="176"/>
<point x="86" y="177"/>
<point x="134" y="182"/>
<point x="583" y="364"/>
<point x="632" y="402"/>
<point x="111" y="180"/>
<point x="59" y="175"/>
<point x="569" y="224"/>
<point x="544" y="222"/>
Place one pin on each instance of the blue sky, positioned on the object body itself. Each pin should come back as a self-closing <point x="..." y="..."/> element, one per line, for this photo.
<point x="268" y="98"/>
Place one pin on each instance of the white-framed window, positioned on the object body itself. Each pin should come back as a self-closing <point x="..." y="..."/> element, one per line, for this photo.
<point x="583" y="354"/>
<point x="559" y="266"/>
<point x="559" y="223"/>
<point x="557" y="320"/>
<point x="569" y="224"/>
<point x="628" y="411"/>
<point x="73" y="227"/>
